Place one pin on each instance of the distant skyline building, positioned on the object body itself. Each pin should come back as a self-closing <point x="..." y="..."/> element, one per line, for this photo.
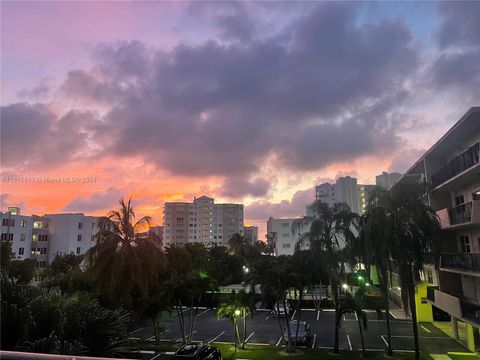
<point x="201" y="221"/>
<point x="41" y="238"/>
<point x="386" y="180"/>
<point x="251" y="234"/>
<point x="364" y="192"/>
<point x="345" y="190"/>
<point x="157" y="230"/>
<point x="281" y="237"/>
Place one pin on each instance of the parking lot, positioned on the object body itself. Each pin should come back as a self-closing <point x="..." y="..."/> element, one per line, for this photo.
<point x="264" y="328"/>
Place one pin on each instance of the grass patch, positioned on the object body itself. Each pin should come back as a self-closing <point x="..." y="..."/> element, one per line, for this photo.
<point x="257" y="352"/>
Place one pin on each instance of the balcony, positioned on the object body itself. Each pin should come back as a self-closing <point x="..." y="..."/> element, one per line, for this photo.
<point x="458" y="165"/>
<point x="461" y="215"/>
<point x="461" y="262"/>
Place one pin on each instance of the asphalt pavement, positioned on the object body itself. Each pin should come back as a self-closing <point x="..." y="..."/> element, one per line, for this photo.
<point x="264" y="328"/>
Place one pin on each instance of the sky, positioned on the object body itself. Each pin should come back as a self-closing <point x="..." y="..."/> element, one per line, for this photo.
<point x="247" y="102"/>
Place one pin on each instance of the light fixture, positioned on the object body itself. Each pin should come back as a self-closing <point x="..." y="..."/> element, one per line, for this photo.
<point x="345" y="286"/>
<point x="237" y="312"/>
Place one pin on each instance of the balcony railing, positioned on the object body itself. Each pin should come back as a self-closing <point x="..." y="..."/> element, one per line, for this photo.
<point x="460" y="214"/>
<point x="468" y="213"/>
<point x="460" y="261"/>
<point x="461" y="163"/>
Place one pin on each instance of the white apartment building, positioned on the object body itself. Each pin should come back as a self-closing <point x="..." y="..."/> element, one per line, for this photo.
<point x="452" y="169"/>
<point x="251" y="234"/>
<point x="201" y="221"/>
<point x="42" y="237"/>
<point x="387" y="180"/>
<point x="281" y="236"/>
<point x="345" y="190"/>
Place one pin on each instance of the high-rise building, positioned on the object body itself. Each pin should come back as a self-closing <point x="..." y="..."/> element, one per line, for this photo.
<point x="343" y="191"/>
<point x="157" y="230"/>
<point x="201" y="221"/>
<point x="451" y="167"/>
<point x="251" y="234"/>
<point x="281" y="236"/>
<point x="364" y="192"/>
<point x="42" y="237"/>
<point x="387" y="180"/>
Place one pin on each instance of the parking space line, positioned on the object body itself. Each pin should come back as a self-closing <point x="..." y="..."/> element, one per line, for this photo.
<point x="424" y="328"/>
<point x="279" y="341"/>
<point x="385" y="341"/>
<point x="216" y="337"/>
<point x="313" y="342"/>
<point x="203" y="312"/>
<point x="194" y="331"/>
<point x="356" y="317"/>
<point x="268" y="316"/>
<point x="329" y="310"/>
<point x="349" y="342"/>
<point x="293" y="315"/>
<point x="318" y="314"/>
<point x="308" y="309"/>
<point x="249" y="336"/>
<point x="134" y="331"/>
<point x="393" y="315"/>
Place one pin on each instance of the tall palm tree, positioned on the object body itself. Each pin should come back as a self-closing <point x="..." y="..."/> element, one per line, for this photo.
<point x="235" y="311"/>
<point x="238" y="245"/>
<point x="414" y="226"/>
<point x="126" y="261"/>
<point x="330" y="229"/>
<point x="376" y="238"/>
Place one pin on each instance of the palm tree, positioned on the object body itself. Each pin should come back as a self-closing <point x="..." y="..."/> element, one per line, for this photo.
<point x="376" y="238"/>
<point x="354" y="304"/>
<point x="414" y="226"/>
<point x="330" y="229"/>
<point x="126" y="260"/>
<point x="238" y="245"/>
<point x="234" y="312"/>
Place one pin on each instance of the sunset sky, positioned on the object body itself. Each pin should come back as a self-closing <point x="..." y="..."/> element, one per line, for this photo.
<point x="245" y="102"/>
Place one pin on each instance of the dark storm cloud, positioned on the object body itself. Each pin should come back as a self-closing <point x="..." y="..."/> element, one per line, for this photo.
<point x="239" y="187"/>
<point x="98" y="201"/>
<point x="459" y="37"/>
<point x="460" y="25"/>
<point x="33" y="136"/>
<point x="261" y="210"/>
<point x="303" y="96"/>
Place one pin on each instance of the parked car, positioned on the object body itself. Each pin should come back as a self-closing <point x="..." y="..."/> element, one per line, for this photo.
<point x="304" y="333"/>
<point x="197" y="352"/>
<point x="281" y="310"/>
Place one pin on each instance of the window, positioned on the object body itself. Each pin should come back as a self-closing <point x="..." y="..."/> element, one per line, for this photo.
<point x="79" y="237"/>
<point x="459" y="200"/>
<point x="22" y="237"/>
<point x="284" y="224"/>
<point x="23" y="223"/>
<point x="42" y="237"/>
<point x="41" y="264"/>
<point x="43" y="251"/>
<point x="286" y="246"/>
<point x="80" y="225"/>
<point x="430" y="276"/>
<point x="8" y="222"/>
<point x="7" y="237"/>
<point x="285" y="235"/>
<point x="78" y="250"/>
<point x="464" y="244"/>
<point x="21" y="251"/>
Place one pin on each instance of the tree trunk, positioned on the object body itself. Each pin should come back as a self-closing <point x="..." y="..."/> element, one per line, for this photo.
<point x="287" y="322"/>
<point x="278" y="321"/>
<point x="413" y="309"/>
<point x="359" y="321"/>
<point x="244" y="329"/>
<point x="299" y="312"/>
<point x="337" y="324"/>
<point x="235" y="333"/>
<point x="181" y="321"/>
<point x="382" y="271"/>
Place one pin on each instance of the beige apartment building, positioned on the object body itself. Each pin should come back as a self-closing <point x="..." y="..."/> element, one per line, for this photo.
<point x="201" y="221"/>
